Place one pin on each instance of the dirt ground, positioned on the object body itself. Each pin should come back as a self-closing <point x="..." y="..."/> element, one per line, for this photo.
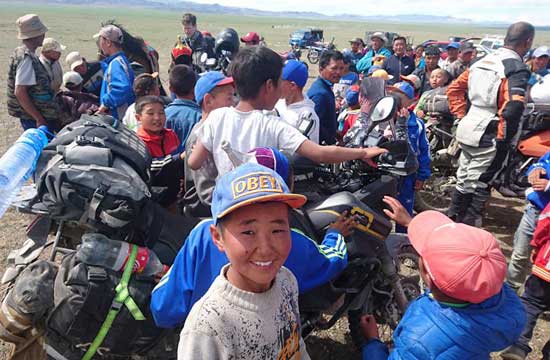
<point x="335" y="343"/>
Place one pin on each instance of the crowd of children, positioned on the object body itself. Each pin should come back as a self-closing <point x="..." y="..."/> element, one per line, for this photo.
<point x="235" y="283"/>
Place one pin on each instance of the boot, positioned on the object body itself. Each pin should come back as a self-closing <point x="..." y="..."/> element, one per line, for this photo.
<point x="459" y="204"/>
<point x="476" y="208"/>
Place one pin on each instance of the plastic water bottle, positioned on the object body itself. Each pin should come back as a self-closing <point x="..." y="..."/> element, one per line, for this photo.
<point x="98" y="250"/>
<point x="237" y="158"/>
<point x="18" y="164"/>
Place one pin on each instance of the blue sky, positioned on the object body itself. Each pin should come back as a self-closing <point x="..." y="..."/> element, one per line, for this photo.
<point x="535" y="11"/>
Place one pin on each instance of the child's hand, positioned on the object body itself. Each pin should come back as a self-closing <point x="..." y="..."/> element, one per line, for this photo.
<point x="369" y="328"/>
<point x="344" y="224"/>
<point x="534" y="254"/>
<point x="536" y="175"/>
<point x="420" y="114"/>
<point x="397" y="213"/>
<point x="540" y="184"/>
<point x="403" y="112"/>
<point x="371" y="152"/>
<point x="419" y="185"/>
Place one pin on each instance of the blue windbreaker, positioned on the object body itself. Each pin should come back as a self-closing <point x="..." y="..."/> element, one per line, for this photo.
<point x="539" y="198"/>
<point x="117" y="91"/>
<point x="199" y="262"/>
<point x="431" y="330"/>
<point x="181" y="116"/>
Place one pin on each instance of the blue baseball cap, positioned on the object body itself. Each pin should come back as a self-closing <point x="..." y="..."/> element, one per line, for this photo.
<point x="208" y="82"/>
<point x="453" y="45"/>
<point x="404" y="88"/>
<point x="250" y="184"/>
<point x="352" y="95"/>
<point x="295" y="71"/>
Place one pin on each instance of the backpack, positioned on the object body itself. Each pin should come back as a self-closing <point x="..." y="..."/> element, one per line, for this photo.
<point x="84" y="296"/>
<point x="95" y="172"/>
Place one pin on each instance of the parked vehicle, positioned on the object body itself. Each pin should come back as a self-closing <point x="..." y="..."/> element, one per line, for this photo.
<point x="306" y="37"/>
<point x="492" y="42"/>
<point x="314" y="52"/>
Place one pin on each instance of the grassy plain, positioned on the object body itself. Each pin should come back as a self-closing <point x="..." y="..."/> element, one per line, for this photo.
<point x="74" y="27"/>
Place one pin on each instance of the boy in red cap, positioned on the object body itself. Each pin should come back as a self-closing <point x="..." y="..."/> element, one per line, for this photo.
<point x="467" y="311"/>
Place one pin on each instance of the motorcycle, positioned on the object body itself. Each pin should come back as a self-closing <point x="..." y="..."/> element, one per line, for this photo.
<point x="314" y="52"/>
<point x="380" y="278"/>
<point x="66" y="238"/>
<point x="444" y="153"/>
<point x="532" y="142"/>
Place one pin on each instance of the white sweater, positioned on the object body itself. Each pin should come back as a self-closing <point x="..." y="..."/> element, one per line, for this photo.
<point x="229" y="323"/>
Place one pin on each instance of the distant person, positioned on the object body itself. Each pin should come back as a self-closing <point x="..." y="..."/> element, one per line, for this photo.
<point x="251" y="39"/>
<point x="349" y="115"/>
<point x="116" y="89"/>
<point x="192" y="37"/>
<point x="410" y="51"/>
<point x="488" y="100"/>
<point x="419" y="61"/>
<point x="30" y="96"/>
<point x="466" y="54"/>
<point x="398" y="64"/>
<point x="91" y="72"/>
<point x="357" y="52"/>
<point x="432" y="54"/>
<point x="452" y="56"/>
<point x="182" y="113"/>
<point x="294" y="107"/>
<point x="181" y="54"/>
<point x="49" y="57"/>
<point x="375" y="55"/>
<point x="72" y="102"/>
<point x="434" y="102"/>
<point x="144" y="84"/>
<point x="331" y="65"/>
<point x="539" y="64"/>
<point x="347" y="79"/>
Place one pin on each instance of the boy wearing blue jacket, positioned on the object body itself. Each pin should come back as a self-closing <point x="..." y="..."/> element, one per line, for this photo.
<point x="538" y="197"/>
<point x="199" y="262"/>
<point x="419" y="143"/>
<point x="467" y="311"/>
<point x="117" y="91"/>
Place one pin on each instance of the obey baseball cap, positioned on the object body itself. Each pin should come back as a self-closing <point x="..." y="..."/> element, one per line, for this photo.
<point x="250" y="184"/>
<point x="464" y="262"/>
<point x="208" y="82"/>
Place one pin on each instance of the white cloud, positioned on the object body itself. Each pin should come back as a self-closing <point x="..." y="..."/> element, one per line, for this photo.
<point x="535" y="11"/>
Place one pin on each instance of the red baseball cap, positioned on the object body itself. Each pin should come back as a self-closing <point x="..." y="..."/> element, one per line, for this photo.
<point x="251" y="37"/>
<point x="464" y="262"/>
<point x="181" y="51"/>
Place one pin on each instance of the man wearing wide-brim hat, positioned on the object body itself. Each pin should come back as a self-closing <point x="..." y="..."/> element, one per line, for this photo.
<point x="377" y="52"/>
<point x="30" y="97"/>
<point x="49" y="57"/>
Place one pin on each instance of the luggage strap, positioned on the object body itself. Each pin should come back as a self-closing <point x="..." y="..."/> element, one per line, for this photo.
<point x="122" y="298"/>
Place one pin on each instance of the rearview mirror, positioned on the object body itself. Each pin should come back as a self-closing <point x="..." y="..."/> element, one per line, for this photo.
<point x="383" y="110"/>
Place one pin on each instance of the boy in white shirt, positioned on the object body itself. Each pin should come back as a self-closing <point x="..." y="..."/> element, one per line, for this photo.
<point x="294" y="108"/>
<point x="251" y="310"/>
<point x="257" y="75"/>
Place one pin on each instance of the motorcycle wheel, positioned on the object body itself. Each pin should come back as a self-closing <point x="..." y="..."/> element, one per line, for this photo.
<point x="313" y="56"/>
<point x="436" y="194"/>
<point x="407" y="261"/>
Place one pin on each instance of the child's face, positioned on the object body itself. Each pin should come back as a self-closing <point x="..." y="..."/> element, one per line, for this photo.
<point x="152" y="118"/>
<point x="437" y="79"/>
<point x="256" y="239"/>
<point x="221" y="96"/>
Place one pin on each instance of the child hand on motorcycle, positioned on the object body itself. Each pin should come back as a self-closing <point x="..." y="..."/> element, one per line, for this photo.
<point x="345" y="224"/>
<point x="397" y="213"/>
<point x="369" y="328"/>
<point x="537" y="180"/>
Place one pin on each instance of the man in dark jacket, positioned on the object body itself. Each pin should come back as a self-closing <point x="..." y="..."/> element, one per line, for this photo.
<point x="399" y="63"/>
<point x="432" y="54"/>
<point x="331" y="65"/>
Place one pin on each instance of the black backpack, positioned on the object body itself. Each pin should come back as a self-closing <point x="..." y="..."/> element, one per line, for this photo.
<point x="94" y="172"/>
<point x="83" y="297"/>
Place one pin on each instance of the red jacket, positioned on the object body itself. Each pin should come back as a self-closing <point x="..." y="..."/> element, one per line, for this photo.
<point x="167" y="143"/>
<point x="541" y="243"/>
